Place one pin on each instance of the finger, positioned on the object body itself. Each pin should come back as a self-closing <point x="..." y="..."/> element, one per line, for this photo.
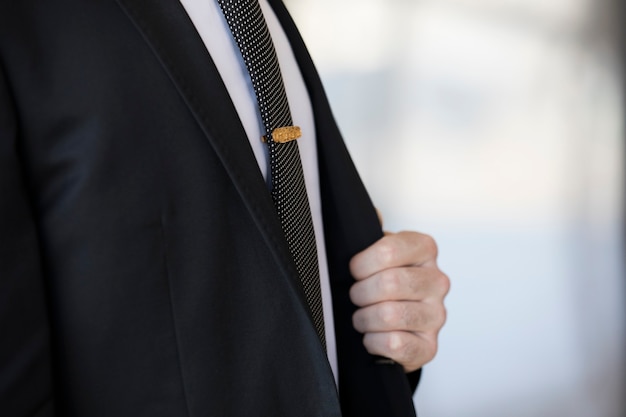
<point x="394" y="250"/>
<point x="410" y="350"/>
<point x="389" y="316"/>
<point x="401" y="284"/>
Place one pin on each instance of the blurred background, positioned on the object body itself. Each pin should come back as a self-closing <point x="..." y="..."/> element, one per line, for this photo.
<point x="497" y="127"/>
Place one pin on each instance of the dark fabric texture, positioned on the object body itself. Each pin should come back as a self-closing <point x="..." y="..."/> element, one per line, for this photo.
<point x="143" y="270"/>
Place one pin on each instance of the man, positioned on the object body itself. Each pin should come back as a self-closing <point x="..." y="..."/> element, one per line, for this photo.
<point x="143" y="268"/>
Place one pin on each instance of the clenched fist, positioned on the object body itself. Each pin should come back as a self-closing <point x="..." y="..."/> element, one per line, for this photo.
<point x="400" y="292"/>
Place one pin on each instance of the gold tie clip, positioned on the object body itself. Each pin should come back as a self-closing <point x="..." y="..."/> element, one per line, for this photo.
<point x="284" y="134"/>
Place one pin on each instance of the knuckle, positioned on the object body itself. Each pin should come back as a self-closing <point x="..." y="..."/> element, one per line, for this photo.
<point x="390" y="282"/>
<point x="395" y="345"/>
<point x="399" y="346"/>
<point x="389" y="314"/>
<point x="430" y="244"/>
<point x="444" y="283"/>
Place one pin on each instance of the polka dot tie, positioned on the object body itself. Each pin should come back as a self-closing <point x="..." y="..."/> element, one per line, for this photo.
<point x="247" y="24"/>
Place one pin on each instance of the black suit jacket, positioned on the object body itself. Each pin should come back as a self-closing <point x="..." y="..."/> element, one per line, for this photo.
<point x="143" y="271"/>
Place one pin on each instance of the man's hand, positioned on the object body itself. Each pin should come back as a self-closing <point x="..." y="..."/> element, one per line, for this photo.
<point x="400" y="292"/>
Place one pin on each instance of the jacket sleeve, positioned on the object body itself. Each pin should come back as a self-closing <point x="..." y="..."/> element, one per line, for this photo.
<point x="25" y="357"/>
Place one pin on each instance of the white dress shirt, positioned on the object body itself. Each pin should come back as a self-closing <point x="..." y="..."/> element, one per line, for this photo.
<point x="213" y="29"/>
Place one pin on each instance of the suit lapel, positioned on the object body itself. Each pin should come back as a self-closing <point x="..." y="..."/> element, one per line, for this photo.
<point x="168" y="30"/>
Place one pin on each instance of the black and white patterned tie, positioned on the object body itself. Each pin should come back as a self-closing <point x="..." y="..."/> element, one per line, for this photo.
<point x="247" y="24"/>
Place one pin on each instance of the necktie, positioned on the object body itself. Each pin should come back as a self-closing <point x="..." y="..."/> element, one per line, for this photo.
<point x="247" y="24"/>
